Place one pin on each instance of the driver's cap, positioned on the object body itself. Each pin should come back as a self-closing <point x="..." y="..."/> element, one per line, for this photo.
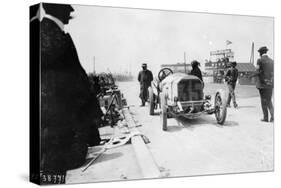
<point x="144" y="65"/>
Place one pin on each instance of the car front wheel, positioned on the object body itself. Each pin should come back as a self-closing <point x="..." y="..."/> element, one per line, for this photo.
<point x="220" y="107"/>
<point x="151" y="105"/>
<point x="163" y="112"/>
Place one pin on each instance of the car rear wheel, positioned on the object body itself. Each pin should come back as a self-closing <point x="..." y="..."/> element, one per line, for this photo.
<point x="151" y="105"/>
<point x="163" y="112"/>
<point x="220" y="107"/>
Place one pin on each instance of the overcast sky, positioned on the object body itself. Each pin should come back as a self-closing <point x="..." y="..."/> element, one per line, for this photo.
<point x="122" y="39"/>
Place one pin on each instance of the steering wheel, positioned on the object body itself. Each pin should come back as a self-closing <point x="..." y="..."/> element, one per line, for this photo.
<point x="163" y="73"/>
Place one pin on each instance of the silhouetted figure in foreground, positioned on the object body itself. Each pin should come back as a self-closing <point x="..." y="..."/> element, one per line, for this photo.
<point x="68" y="108"/>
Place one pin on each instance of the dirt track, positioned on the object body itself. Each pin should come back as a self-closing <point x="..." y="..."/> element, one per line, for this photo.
<point x="201" y="146"/>
<point x="190" y="147"/>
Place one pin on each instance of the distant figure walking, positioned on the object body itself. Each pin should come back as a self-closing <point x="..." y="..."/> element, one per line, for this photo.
<point x="145" y="78"/>
<point x="195" y="70"/>
<point x="231" y="79"/>
<point x="264" y="83"/>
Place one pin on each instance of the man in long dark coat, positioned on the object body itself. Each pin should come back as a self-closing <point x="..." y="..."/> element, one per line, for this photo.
<point x="264" y="83"/>
<point x="145" y="78"/>
<point x="68" y="109"/>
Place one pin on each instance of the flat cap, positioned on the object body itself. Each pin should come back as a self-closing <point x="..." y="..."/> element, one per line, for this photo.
<point x="263" y="49"/>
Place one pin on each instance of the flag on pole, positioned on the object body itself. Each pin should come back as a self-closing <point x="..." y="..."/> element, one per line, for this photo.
<point x="228" y="42"/>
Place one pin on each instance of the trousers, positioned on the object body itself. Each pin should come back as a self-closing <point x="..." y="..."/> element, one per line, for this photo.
<point x="144" y="91"/>
<point x="231" y="95"/>
<point x="266" y="103"/>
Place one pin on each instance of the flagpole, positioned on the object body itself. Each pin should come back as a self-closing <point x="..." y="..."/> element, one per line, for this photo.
<point x="227" y="42"/>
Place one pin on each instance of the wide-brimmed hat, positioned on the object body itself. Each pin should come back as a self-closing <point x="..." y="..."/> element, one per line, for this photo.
<point x="233" y="63"/>
<point x="263" y="49"/>
<point x="54" y="8"/>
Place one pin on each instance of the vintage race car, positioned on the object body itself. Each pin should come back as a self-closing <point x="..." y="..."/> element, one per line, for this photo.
<point x="179" y="94"/>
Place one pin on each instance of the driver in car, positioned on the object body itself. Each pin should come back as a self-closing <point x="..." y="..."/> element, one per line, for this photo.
<point x="196" y="70"/>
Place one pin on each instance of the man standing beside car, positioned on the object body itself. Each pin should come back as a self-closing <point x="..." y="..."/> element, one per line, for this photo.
<point x="145" y="78"/>
<point x="231" y="79"/>
<point x="264" y="83"/>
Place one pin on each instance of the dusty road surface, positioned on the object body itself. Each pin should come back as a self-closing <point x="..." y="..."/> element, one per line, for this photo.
<point x="189" y="147"/>
<point x="201" y="146"/>
<point x="114" y="164"/>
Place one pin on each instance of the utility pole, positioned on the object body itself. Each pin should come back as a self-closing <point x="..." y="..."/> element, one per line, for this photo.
<point x="252" y="54"/>
<point x="94" y="65"/>
<point x="184" y="57"/>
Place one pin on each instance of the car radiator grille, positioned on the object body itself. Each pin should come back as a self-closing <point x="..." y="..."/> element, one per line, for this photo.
<point x="190" y="90"/>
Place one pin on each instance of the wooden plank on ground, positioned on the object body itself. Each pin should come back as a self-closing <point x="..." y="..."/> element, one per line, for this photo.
<point x="145" y="160"/>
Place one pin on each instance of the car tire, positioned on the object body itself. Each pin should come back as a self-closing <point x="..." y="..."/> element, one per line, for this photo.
<point x="220" y="106"/>
<point x="151" y="105"/>
<point x="163" y="112"/>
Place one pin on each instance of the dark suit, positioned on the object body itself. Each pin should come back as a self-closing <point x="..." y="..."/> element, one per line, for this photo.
<point x="231" y="79"/>
<point x="145" y="78"/>
<point x="264" y="84"/>
<point x="68" y="109"/>
<point x="197" y="72"/>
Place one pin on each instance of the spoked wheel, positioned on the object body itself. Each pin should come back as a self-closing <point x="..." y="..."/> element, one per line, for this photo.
<point x="151" y="105"/>
<point x="220" y="107"/>
<point x="163" y="112"/>
<point x="163" y="73"/>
